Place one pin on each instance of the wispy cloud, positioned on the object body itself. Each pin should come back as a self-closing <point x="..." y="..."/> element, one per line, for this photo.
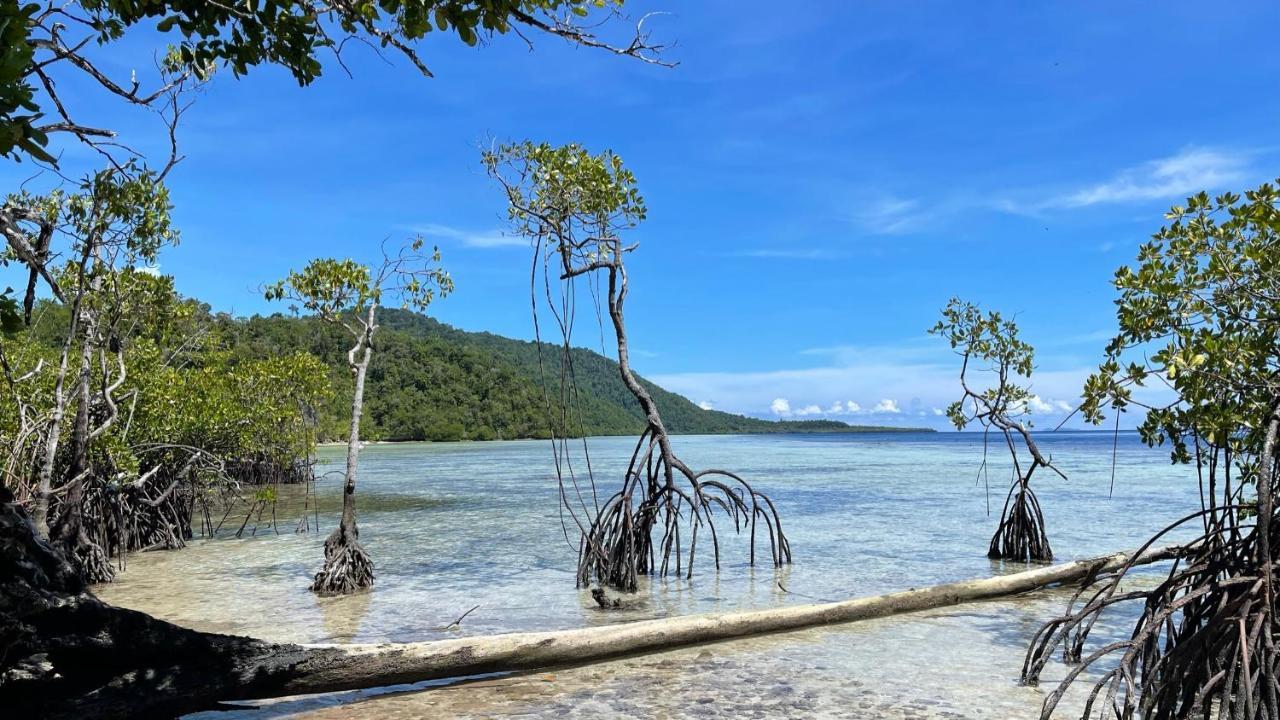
<point x="1171" y="178"/>
<point x="1189" y="171"/>
<point x="487" y="239"/>
<point x="891" y="216"/>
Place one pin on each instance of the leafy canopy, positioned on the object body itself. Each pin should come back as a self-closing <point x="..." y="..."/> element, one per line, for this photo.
<point x="574" y="201"/>
<point x="331" y="288"/>
<point x="1202" y="307"/>
<point x="991" y="343"/>
<point x="292" y="34"/>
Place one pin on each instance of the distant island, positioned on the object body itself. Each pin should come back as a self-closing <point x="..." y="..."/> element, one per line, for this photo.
<point x="431" y="381"/>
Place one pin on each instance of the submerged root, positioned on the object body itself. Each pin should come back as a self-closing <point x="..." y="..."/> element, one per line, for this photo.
<point x="347" y="567"/>
<point x="638" y="530"/>
<point x="1021" y="535"/>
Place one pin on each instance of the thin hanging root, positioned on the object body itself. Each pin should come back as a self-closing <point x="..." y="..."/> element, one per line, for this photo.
<point x="347" y="567"/>
<point x="619" y="546"/>
<point x="1021" y="535"/>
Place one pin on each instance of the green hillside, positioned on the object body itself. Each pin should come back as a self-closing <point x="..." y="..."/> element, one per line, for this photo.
<point x="430" y="381"/>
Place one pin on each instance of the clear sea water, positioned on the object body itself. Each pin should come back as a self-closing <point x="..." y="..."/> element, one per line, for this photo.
<point x="455" y="525"/>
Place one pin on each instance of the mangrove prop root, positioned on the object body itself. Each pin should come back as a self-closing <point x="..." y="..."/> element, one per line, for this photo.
<point x="1205" y="642"/>
<point x="638" y="530"/>
<point x="1021" y="535"/>
<point x="347" y="567"/>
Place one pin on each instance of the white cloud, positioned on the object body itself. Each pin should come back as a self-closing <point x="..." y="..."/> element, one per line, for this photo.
<point x="149" y="270"/>
<point x="1039" y="406"/>
<point x="836" y="408"/>
<point x="809" y="410"/>
<point x="1169" y="178"/>
<point x="925" y="369"/>
<point x="489" y="239"/>
<point x="1189" y="171"/>
<point x="706" y="405"/>
<point x="887" y="406"/>
<point x="891" y="216"/>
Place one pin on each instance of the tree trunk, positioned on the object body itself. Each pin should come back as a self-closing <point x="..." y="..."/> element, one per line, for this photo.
<point x="44" y="476"/>
<point x="49" y="457"/>
<point x="347" y="567"/>
<point x="349" y="667"/>
<point x="69" y="534"/>
<point x="353" y="447"/>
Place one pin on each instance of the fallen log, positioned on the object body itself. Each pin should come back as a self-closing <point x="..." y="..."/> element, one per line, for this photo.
<point x="65" y="654"/>
<point x="352" y="667"/>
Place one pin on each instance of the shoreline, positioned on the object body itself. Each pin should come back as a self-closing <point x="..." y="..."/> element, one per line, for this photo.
<point x="877" y="431"/>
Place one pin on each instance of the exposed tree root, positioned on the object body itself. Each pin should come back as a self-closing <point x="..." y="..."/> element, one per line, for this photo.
<point x="347" y="567"/>
<point x="1205" y="644"/>
<point x="1021" y="534"/>
<point x="618" y="547"/>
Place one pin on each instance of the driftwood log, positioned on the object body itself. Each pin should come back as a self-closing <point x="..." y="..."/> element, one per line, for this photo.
<point x="65" y="654"/>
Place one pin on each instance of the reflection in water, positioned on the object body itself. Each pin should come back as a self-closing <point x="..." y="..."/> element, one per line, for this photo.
<point x="343" y="614"/>
<point x="451" y="526"/>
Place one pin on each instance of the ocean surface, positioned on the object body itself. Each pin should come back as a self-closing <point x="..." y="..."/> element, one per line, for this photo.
<point x="452" y="526"/>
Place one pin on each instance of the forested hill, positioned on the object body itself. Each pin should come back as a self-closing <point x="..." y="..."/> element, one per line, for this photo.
<point x="430" y="381"/>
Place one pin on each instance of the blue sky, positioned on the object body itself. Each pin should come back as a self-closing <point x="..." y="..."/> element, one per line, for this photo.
<point x="820" y="180"/>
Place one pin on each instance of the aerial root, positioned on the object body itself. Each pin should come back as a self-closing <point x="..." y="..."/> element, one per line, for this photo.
<point x="1021" y="535"/>
<point x="1205" y="644"/>
<point x="347" y="567"/>
<point x="638" y="531"/>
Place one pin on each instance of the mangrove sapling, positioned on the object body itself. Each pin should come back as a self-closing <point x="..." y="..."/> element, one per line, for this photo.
<point x="573" y="206"/>
<point x="1202" y="311"/>
<point x="988" y="342"/>
<point x="349" y="294"/>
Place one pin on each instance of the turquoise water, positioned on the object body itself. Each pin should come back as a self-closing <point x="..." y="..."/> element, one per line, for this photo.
<point x="455" y="525"/>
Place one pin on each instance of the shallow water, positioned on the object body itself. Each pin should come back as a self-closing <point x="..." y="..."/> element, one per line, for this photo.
<point x="451" y="526"/>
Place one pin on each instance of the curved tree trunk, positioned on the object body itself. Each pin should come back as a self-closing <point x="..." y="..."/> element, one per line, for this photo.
<point x="619" y="546"/>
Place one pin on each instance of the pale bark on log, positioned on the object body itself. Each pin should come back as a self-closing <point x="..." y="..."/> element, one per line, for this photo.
<point x="351" y="667"/>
